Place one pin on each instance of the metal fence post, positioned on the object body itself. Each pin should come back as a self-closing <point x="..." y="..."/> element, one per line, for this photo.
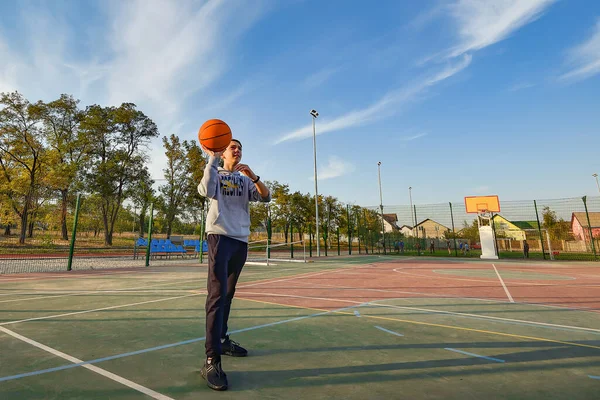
<point x="291" y="240"/>
<point x="587" y="215"/>
<point x="269" y="235"/>
<point x="74" y="233"/>
<point x="349" y="229"/>
<point x="150" y="223"/>
<point x="540" y="230"/>
<point x="453" y="232"/>
<point x="309" y="240"/>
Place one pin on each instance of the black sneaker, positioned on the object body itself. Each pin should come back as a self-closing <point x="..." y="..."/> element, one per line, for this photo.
<point x="231" y="348"/>
<point x="213" y="373"/>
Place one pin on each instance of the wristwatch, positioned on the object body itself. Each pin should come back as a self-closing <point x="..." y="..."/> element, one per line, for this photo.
<point x="257" y="179"/>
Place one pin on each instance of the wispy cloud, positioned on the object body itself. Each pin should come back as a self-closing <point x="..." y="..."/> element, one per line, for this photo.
<point x="335" y="167"/>
<point x="387" y="105"/>
<point x="413" y="137"/>
<point x="520" y="86"/>
<point x="165" y="51"/>
<point x="319" y="77"/>
<point x="585" y="58"/>
<point x="482" y="23"/>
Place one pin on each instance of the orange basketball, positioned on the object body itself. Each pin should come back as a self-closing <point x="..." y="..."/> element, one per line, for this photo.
<point x="215" y="135"/>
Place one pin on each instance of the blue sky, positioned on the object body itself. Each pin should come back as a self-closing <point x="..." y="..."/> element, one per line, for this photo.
<point x="455" y="98"/>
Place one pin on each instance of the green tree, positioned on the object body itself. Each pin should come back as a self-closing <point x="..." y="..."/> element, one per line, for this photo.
<point x="185" y="168"/>
<point x="21" y="154"/>
<point x="119" y="138"/>
<point x="142" y="195"/>
<point x="470" y="231"/>
<point x="68" y="149"/>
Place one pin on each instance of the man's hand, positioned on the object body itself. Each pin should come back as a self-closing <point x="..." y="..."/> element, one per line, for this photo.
<point x="216" y="154"/>
<point x="244" y="169"/>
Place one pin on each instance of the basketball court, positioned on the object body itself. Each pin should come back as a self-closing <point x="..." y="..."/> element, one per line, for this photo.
<point x="346" y="327"/>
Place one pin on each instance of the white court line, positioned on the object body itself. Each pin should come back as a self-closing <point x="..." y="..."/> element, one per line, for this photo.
<point x="474" y="355"/>
<point x="388" y="331"/>
<point x="477" y="316"/>
<point x="165" y="283"/>
<point x="164" y="346"/>
<point x="594" y="377"/>
<point x="103" y="372"/>
<point x="503" y="285"/>
<point x="62" y="275"/>
<point x="197" y="293"/>
<point x="357" y="313"/>
<point x="100" y="309"/>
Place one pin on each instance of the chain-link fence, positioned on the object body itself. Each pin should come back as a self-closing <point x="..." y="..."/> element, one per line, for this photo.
<point x="561" y="229"/>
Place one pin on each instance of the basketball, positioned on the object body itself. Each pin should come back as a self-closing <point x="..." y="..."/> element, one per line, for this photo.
<point x="215" y="135"/>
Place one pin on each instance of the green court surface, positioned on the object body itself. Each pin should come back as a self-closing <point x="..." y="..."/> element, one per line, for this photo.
<point x="342" y="328"/>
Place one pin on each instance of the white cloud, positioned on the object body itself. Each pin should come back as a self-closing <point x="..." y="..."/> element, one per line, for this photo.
<point x="153" y="53"/>
<point x="335" y="167"/>
<point x="319" y="77"/>
<point x="482" y="23"/>
<point x="413" y="137"/>
<point x="387" y="105"/>
<point x="520" y="86"/>
<point x="585" y="58"/>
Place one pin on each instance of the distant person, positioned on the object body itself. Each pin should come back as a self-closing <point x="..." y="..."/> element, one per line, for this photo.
<point x="466" y="248"/>
<point x="448" y="246"/>
<point x="460" y="246"/>
<point x="432" y="246"/>
<point x="401" y="246"/>
<point x="525" y="249"/>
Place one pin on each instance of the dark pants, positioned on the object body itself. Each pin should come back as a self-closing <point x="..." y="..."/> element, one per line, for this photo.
<point x="226" y="258"/>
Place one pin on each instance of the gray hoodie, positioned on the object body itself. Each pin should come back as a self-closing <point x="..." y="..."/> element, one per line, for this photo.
<point x="229" y="194"/>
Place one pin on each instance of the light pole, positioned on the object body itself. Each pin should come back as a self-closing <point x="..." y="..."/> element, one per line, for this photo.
<point x="597" y="184"/>
<point x="314" y="115"/>
<point x="381" y="205"/>
<point x="411" y="209"/>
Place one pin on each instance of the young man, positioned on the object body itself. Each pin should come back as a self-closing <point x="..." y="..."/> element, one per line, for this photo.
<point x="230" y="190"/>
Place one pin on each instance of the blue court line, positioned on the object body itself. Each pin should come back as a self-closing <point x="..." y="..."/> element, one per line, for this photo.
<point x="474" y="355"/>
<point x="356" y="313"/>
<point x="594" y="377"/>
<point x="388" y="331"/>
<point x="165" y="346"/>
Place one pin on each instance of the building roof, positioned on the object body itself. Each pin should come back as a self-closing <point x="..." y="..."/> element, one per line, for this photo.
<point x="406" y="226"/>
<point x="390" y="217"/>
<point x="435" y="222"/>
<point x="581" y="217"/>
<point x="525" y="224"/>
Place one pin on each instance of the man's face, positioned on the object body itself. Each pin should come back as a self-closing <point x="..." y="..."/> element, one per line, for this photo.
<point x="233" y="152"/>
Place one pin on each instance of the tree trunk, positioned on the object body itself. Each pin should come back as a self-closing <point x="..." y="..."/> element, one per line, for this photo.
<point x="23" y="228"/>
<point x="7" y="230"/>
<point x="30" y="229"/>
<point x="63" y="215"/>
<point x="142" y="220"/>
<point x="107" y="235"/>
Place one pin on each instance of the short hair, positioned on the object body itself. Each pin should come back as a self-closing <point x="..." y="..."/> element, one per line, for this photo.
<point x="235" y="140"/>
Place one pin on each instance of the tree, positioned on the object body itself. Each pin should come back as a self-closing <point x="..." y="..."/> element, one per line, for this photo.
<point x="21" y="154"/>
<point x="119" y="139"/>
<point x="558" y="229"/>
<point x="470" y="232"/>
<point x="142" y="195"/>
<point x="68" y="148"/>
<point x="180" y="186"/>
